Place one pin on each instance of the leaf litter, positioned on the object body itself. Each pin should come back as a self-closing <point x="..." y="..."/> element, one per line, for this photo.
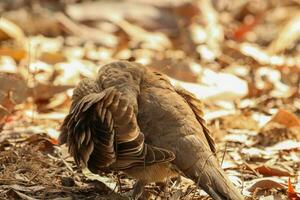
<point x="241" y="58"/>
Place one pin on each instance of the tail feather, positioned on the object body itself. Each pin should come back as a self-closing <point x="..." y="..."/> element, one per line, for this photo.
<point x="212" y="179"/>
<point x="202" y="166"/>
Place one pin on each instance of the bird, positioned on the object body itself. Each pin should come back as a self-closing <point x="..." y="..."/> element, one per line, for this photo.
<point x="132" y="119"/>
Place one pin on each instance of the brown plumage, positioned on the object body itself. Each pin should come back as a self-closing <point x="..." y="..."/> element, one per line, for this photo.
<point x="132" y="119"/>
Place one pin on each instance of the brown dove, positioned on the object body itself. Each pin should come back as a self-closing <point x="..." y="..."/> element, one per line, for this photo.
<point x="132" y="119"/>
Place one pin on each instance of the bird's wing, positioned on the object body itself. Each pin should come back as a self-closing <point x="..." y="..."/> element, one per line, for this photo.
<point x="101" y="128"/>
<point x="88" y="128"/>
<point x="196" y="105"/>
<point x="131" y="150"/>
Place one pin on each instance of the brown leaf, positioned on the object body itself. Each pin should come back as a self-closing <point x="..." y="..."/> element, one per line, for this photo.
<point x="52" y="57"/>
<point x="286" y="118"/>
<point x="266" y="184"/>
<point x="46" y="91"/>
<point x="3" y="114"/>
<point x="274" y="132"/>
<point x="15" y="53"/>
<point x="109" y="182"/>
<point x="42" y="143"/>
<point x="268" y="170"/>
<point x="13" y="194"/>
<point x="14" y="85"/>
<point x="291" y="191"/>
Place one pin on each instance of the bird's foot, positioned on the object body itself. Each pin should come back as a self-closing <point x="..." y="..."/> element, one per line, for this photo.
<point x="176" y="181"/>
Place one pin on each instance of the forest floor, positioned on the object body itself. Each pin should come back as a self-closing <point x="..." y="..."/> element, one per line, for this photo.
<point x="241" y="58"/>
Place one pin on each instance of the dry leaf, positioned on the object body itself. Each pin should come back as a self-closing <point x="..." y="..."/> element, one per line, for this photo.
<point x="286" y="118"/>
<point x="8" y="65"/>
<point x="87" y="33"/>
<point x="150" y="40"/>
<point x="13" y="89"/>
<point x="9" y="30"/>
<point x="143" y="15"/>
<point x="42" y="143"/>
<point x="287" y="37"/>
<point x="52" y="57"/>
<point x="70" y="73"/>
<point x="273" y="132"/>
<point x="31" y="189"/>
<point x="268" y="170"/>
<point x="110" y="183"/>
<point x="212" y="87"/>
<point x="285" y="145"/>
<point x="266" y="184"/>
<point x="291" y="191"/>
<point x="13" y="194"/>
<point x="3" y="113"/>
<point x="214" y="31"/>
<point x="42" y="92"/>
<point x="264" y="58"/>
<point x="16" y="53"/>
<point x="243" y="29"/>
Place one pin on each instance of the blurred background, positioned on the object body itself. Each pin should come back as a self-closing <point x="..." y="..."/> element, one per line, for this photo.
<point x="240" y="57"/>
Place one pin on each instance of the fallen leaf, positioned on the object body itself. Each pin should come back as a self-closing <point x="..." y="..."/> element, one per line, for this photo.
<point x="268" y="170"/>
<point x="87" y="33"/>
<point x="286" y="118"/>
<point x="285" y="145"/>
<point x="110" y="183"/>
<point x="3" y="113"/>
<point x="287" y="37"/>
<point x="150" y="40"/>
<point x="212" y="87"/>
<point x="13" y="194"/>
<point x="8" y="65"/>
<point x="31" y="189"/>
<point x="176" y="195"/>
<point x="9" y="30"/>
<point x="262" y="57"/>
<point x="291" y="191"/>
<point x="274" y="132"/>
<point x="243" y="29"/>
<point x="16" y="53"/>
<point x="266" y="184"/>
<point x="46" y="91"/>
<point x="142" y="14"/>
<point x="70" y="73"/>
<point x="243" y="139"/>
<point x="214" y="30"/>
<point x="42" y="143"/>
<point x="52" y="57"/>
<point x="14" y="84"/>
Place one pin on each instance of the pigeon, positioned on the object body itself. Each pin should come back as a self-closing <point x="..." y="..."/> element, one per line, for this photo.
<point x="132" y="119"/>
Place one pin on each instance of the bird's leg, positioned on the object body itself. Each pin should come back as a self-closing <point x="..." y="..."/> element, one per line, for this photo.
<point x="138" y="189"/>
<point x="177" y="181"/>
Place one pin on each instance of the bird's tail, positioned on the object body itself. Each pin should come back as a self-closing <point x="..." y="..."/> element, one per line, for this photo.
<point x="214" y="181"/>
<point x="198" y="163"/>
